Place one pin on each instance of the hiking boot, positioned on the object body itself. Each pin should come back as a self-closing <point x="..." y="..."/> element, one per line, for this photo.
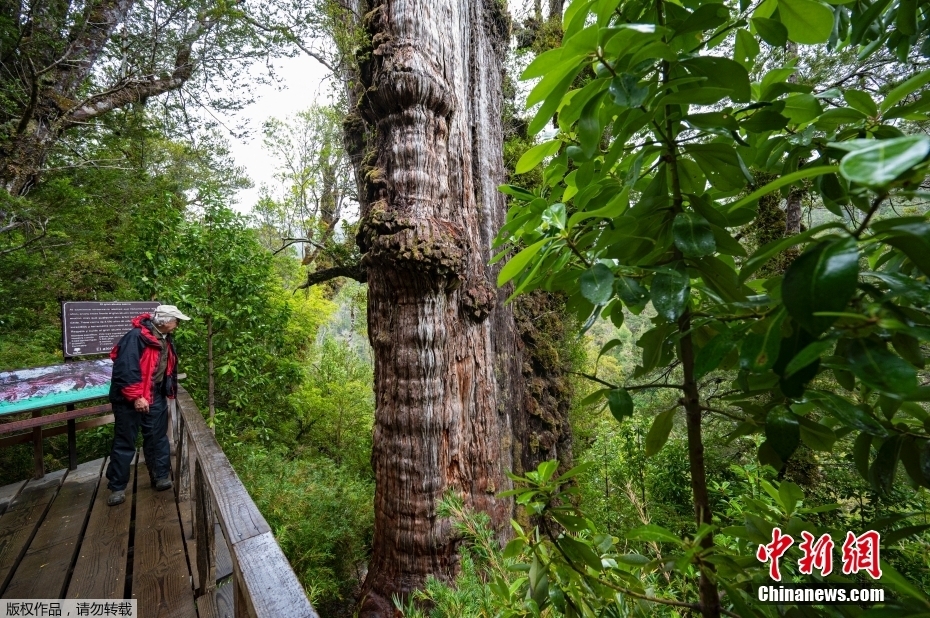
<point x="116" y="497"/>
<point x="163" y="484"/>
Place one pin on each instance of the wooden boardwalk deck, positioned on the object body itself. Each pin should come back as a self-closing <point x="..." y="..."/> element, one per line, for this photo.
<point x="59" y="539"/>
<point x="202" y="550"/>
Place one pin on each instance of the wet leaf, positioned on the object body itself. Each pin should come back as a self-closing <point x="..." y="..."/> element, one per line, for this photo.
<point x="879" y="165"/>
<point x="693" y="235"/>
<point x="597" y="284"/>
<point x="670" y="292"/>
<point x="822" y="279"/>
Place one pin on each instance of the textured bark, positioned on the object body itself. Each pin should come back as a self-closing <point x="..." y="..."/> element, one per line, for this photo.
<point x="428" y="140"/>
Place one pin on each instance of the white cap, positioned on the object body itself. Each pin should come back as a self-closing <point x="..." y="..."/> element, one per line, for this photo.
<point x="171" y="311"/>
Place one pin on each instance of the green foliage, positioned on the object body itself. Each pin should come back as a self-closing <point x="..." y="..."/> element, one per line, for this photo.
<point x="652" y="172"/>
<point x="321" y="515"/>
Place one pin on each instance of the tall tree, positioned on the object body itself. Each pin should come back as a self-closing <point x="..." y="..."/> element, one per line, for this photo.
<point x="430" y="139"/>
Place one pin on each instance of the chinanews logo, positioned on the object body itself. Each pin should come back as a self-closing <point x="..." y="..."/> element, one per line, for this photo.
<point x="859" y="553"/>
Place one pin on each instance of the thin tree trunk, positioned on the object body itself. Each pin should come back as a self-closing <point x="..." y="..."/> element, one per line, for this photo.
<point x="794" y="201"/>
<point x="444" y="347"/>
<point x="211" y="383"/>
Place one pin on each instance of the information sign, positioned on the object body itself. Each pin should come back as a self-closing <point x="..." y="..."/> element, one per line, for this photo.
<point x="94" y="328"/>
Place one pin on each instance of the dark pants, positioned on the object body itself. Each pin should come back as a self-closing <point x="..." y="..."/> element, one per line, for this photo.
<point x="154" y="441"/>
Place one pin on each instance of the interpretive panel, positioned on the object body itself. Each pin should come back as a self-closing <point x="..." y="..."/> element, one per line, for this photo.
<point x="94" y="328"/>
<point x="43" y="387"/>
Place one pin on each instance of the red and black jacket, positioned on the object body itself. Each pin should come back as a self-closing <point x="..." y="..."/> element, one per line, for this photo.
<point x="135" y="359"/>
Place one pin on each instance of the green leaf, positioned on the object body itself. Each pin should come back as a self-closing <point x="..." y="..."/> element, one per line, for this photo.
<point x="579" y="553"/>
<point x="772" y="31"/>
<point x="817" y="436"/>
<point x="808" y="21"/>
<point x="808" y="355"/>
<point x="760" y="349"/>
<point x="631" y="292"/>
<point x="785" y="180"/>
<point x="720" y="163"/>
<point x="552" y="100"/>
<point x="532" y="157"/>
<point x="543" y="63"/>
<point x="882" y="470"/>
<point x="770" y="250"/>
<point x="516" y="264"/>
<point x="862" y="449"/>
<point x="878" y="165"/>
<point x="705" y="17"/>
<point x="723" y="73"/>
<point x="652" y="533"/>
<point x="782" y="432"/>
<point x="712" y="354"/>
<point x="801" y="108"/>
<point x="822" y="279"/>
<point x="659" y="432"/>
<point x="900" y="92"/>
<point x="861" y="101"/>
<point x="627" y="92"/>
<point x="790" y="495"/>
<point x="597" y="284"/>
<point x="848" y="414"/>
<point x="906" y="19"/>
<point x="620" y="403"/>
<point x="878" y="367"/>
<point x="764" y="120"/>
<point x="670" y="292"/>
<point x="589" y="128"/>
<point x="747" y="48"/>
<point x="693" y="235"/>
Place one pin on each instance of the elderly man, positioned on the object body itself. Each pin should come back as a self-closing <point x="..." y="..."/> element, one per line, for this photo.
<point x="144" y="378"/>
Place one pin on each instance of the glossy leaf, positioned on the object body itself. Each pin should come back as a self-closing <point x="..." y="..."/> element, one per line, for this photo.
<point x="782" y="432"/>
<point x="850" y="415"/>
<point x="879" y="165"/>
<point x="620" y="403"/>
<point x="693" y="235"/>
<point x="597" y="284"/>
<point x="712" y="354"/>
<point x="772" y="31"/>
<point x="534" y="156"/>
<point x="659" y="432"/>
<point x="873" y="363"/>
<point x="518" y="262"/>
<point x="669" y="292"/>
<point x="807" y="21"/>
<point x="822" y="279"/>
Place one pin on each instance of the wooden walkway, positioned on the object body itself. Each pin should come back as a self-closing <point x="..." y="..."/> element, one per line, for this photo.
<point x="59" y="539"/>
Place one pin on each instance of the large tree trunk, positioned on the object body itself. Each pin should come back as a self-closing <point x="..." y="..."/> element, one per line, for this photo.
<point x="446" y="362"/>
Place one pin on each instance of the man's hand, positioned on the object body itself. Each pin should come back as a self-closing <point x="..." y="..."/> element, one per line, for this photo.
<point x="142" y="405"/>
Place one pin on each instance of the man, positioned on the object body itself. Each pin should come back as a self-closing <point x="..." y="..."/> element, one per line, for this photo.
<point x="144" y="378"/>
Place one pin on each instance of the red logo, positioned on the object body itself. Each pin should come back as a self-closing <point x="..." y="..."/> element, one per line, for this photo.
<point x="860" y="553"/>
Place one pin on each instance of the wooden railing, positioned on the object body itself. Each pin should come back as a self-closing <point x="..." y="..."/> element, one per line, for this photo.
<point x="264" y="585"/>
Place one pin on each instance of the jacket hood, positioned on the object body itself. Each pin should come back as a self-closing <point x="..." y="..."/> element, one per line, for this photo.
<point x="137" y="321"/>
<point x="143" y="322"/>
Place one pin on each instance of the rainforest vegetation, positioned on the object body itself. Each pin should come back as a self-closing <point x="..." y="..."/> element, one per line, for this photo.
<point x="628" y="287"/>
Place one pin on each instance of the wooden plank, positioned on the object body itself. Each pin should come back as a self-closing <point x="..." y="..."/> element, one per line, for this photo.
<point x="39" y="421"/>
<point x="271" y="588"/>
<point x="206" y="606"/>
<point x="100" y="570"/>
<point x="56" y="431"/>
<point x="238" y="514"/>
<point x="160" y="577"/>
<point x="22" y="519"/>
<point x="186" y="510"/>
<point x="43" y="571"/>
<point x="8" y="493"/>
<point x="224" y="565"/>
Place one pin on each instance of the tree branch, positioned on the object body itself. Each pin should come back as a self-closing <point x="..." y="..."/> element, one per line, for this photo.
<point x="136" y="90"/>
<point x="352" y="271"/>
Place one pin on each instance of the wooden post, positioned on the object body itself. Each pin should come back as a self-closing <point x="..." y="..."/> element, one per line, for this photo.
<point x="206" y="541"/>
<point x="72" y="442"/>
<point x="37" y="448"/>
<point x="240" y="605"/>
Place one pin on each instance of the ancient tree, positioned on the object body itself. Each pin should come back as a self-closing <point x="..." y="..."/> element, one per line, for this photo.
<point x="428" y="140"/>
